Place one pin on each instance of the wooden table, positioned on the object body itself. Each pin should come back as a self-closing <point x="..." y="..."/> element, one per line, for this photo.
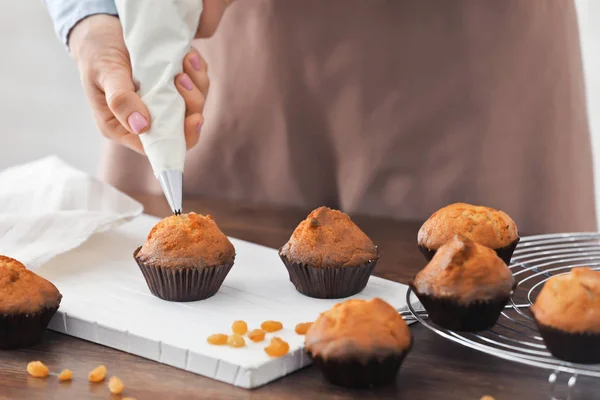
<point x="435" y="369"/>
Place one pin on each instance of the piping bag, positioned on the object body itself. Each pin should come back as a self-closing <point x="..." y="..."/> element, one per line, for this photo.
<point x="158" y="34"/>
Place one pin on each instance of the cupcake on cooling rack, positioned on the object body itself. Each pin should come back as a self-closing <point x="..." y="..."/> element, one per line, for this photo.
<point x="359" y="343"/>
<point x="465" y="286"/>
<point x="328" y="256"/>
<point x="567" y="313"/>
<point x="27" y="304"/>
<point x="486" y="226"/>
<point x="185" y="258"/>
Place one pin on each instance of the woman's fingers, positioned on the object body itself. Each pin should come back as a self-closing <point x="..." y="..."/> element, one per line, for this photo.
<point x="194" y="99"/>
<point x="113" y="130"/>
<point x="108" y="124"/>
<point x="211" y="16"/>
<point x="193" y="84"/>
<point x="132" y="141"/>
<point x="193" y="125"/>
<point x="197" y="69"/>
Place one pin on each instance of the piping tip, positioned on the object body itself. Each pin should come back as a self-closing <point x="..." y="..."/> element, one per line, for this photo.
<point x="171" y="182"/>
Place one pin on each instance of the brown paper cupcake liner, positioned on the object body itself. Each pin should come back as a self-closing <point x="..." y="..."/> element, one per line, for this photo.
<point x="327" y="282"/>
<point x="24" y="330"/>
<point x="184" y="283"/>
<point x="455" y="316"/>
<point x="578" y="347"/>
<point x="356" y="374"/>
<point x="505" y="253"/>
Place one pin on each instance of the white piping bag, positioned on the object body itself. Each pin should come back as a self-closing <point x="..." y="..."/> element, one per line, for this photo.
<point x="158" y="34"/>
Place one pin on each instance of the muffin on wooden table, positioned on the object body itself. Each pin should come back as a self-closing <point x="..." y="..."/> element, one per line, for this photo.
<point x="27" y="304"/>
<point x="465" y="286"/>
<point x="328" y="256"/>
<point x="185" y="258"/>
<point x="567" y="313"/>
<point x="486" y="226"/>
<point x="359" y="343"/>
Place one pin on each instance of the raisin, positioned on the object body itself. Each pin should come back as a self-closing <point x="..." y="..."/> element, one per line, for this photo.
<point x="302" y="328"/>
<point x="257" y="335"/>
<point x="115" y="385"/>
<point x="277" y="348"/>
<point x="37" y="369"/>
<point x="236" y="341"/>
<point x="98" y="374"/>
<point x="239" y="327"/>
<point x="65" y="375"/>
<point x="217" y="339"/>
<point x="271" y="326"/>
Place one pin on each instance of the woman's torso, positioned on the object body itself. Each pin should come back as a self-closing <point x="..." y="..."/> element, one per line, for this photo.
<point x="393" y="108"/>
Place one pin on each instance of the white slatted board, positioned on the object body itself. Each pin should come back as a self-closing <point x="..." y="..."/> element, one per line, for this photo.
<point x="107" y="301"/>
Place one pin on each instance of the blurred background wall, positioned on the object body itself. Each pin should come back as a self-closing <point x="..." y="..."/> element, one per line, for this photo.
<point x="42" y="107"/>
<point x="43" y="110"/>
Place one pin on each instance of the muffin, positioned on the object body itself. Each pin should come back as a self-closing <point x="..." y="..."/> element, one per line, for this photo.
<point x="359" y="343"/>
<point x="328" y="256"/>
<point x="185" y="258"/>
<point x="486" y="226"/>
<point x="567" y="313"/>
<point x="465" y="286"/>
<point x="27" y="303"/>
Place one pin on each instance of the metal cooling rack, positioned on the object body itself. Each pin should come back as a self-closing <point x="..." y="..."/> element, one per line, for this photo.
<point x="515" y="336"/>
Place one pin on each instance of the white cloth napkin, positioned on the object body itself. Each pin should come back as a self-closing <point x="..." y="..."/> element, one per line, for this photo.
<point x="47" y="207"/>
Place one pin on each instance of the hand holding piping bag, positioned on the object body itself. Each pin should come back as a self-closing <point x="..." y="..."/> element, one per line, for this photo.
<point x="158" y="35"/>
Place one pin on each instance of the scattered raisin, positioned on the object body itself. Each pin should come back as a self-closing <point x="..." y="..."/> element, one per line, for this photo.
<point x="314" y="222"/>
<point x="37" y="369"/>
<point x="217" y="339"/>
<point x="239" y="327"/>
<point x="115" y="385"/>
<point x="271" y="326"/>
<point x="236" y="341"/>
<point x="277" y="348"/>
<point x="98" y="374"/>
<point x="303" y="327"/>
<point x="257" y="335"/>
<point x="65" y="375"/>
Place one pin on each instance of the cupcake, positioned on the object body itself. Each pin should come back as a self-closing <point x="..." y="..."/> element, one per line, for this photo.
<point x="486" y="226"/>
<point x="185" y="258"/>
<point x="465" y="286"/>
<point x="359" y="343"/>
<point x="567" y="313"/>
<point x="328" y="256"/>
<point x="27" y="303"/>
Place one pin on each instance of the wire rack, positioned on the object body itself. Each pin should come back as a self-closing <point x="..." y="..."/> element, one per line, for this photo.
<point x="515" y="336"/>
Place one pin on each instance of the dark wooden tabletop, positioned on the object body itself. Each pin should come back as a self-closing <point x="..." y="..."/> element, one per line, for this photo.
<point x="435" y="369"/>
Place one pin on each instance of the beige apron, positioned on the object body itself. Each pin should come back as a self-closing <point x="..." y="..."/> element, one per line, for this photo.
<point x="393" y="108"/>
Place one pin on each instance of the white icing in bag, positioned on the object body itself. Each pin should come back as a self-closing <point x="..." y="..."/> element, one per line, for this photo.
<point x="158" y="34"/>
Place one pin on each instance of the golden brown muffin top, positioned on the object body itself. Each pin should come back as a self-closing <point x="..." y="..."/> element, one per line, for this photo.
<point x="465" y="272"/>
<point x="329" y="238"/>
<point x="570" y="302"/>
<point x="358" y="329"/>
<point x="486" y="226"/>
<point x="22" y="291"/>
<point x="187" y="240"/>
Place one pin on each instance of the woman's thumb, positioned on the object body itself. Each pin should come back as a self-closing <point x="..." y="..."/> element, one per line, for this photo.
<point x="124" y="102"/>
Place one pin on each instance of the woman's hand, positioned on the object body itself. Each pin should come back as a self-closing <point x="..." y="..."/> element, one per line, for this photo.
<point x="211" y="16"/>
<point x="99" y="50"/>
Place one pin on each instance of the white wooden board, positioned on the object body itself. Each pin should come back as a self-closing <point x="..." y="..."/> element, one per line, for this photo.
<point x="107" y="301"/>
